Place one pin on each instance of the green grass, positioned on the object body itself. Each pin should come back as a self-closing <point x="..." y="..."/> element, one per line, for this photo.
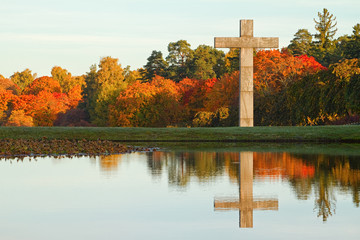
<point x="320" y="134"/>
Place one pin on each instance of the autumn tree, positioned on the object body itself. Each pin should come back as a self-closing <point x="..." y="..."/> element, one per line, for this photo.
<point x="327" y="95"/>
<point x="72" y="118"/>
<point x="41" y="102"/>
<point x="199" y="95"/>
<point x="23" y="79"/>
<point x="274" y="72"/>
<point x="232" y="60"/>
<point x="19" y="118"/>
<point x="45" y="107"/>
<point x="8" y="85"/>
<point x="145" y="104"/>
<point x="43" y="84"/>
<point x="225" y="93"/>
<point x="6" y="98"/>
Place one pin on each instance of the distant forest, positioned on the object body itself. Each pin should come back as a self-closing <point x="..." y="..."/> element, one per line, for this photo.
<point x="315" y="80"/>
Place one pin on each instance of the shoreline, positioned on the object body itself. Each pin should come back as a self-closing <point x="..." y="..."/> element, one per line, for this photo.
<point x="21" y="148"/>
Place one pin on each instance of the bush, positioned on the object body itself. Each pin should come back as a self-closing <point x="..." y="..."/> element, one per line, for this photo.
<point x="72" y="118"/>
<point x="19" y="119"/>
<point x="203" y="119"/>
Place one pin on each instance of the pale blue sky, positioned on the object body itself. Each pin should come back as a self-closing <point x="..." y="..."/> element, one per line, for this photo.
<point x="74" y="34"/>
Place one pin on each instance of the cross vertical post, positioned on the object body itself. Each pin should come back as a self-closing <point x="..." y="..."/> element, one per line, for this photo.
<point x="246" y="189"/>
<point x="246" y="97"/>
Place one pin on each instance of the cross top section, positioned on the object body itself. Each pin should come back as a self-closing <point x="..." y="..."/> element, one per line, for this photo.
<point x="246" y="39"/>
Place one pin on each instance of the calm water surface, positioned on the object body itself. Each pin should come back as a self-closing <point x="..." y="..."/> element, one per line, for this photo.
<point x="181" y="195"/>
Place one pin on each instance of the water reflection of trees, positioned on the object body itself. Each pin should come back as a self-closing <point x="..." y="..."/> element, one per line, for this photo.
<point x="320" y="175"/>
<point x="109" y="163"/>
<point x="180" y="167"/>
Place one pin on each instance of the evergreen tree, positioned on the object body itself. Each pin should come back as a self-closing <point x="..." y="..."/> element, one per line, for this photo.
<point x="156" y="65"/>
<point x="352" y="47"/>
<point x="301" y="43"/>
<point x="326" y="28"/>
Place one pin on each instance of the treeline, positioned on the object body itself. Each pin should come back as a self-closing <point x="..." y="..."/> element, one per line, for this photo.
<point x="323" y="45"/>
<point x="310" y="82"/>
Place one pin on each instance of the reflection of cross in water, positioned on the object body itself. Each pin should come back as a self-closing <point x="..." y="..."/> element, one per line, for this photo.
<point x="246" y="203"/>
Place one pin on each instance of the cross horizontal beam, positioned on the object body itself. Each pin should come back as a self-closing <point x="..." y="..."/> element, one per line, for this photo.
<point x="271" y="204"/>
<point x="246" y="42"/>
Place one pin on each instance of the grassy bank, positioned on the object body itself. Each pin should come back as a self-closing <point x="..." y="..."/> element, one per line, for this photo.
<point x="325" y="134"/>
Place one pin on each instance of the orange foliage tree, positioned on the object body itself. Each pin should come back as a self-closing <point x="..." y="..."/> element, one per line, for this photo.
<point x="47" y="84"/>
<point x="5" y="100"/>
<point x="154" y="103"/>
<point x="225" y="92"/>
<point x="43" y="100"/>
<point x="7" y="84"/>
<point x="19" y="118"/>
<point x="274" y="70"/>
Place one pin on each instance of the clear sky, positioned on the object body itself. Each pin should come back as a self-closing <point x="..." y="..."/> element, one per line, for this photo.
<point x="74" y="34"/>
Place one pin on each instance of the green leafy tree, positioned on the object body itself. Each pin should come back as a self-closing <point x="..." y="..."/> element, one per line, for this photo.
<point x="67" y="82"/>
<point x="131" y="76"/>
<point x="232" y="60"/>
<point x="301" y="43"/>
<point x="156" y="65"/>
<point x="23" y="79"/>
<point x="180" y="54"/>
<point x="326" y="28"/>
<point x="102" y="88"/>
<point x="352" y="94"/>
<point x="110" y="81"/>
<point x="207" y="62"/>
<point x="89" y="92"/>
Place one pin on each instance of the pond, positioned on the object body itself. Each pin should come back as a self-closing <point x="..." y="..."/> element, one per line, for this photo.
<point x="173" y="194"/>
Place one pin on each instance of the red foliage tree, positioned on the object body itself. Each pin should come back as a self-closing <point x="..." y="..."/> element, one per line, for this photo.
<point x="274" y="70"/>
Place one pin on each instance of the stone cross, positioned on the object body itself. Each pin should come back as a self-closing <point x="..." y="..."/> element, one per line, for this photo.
<point x="246" y="42"/>
<point x="246" y="204"/>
